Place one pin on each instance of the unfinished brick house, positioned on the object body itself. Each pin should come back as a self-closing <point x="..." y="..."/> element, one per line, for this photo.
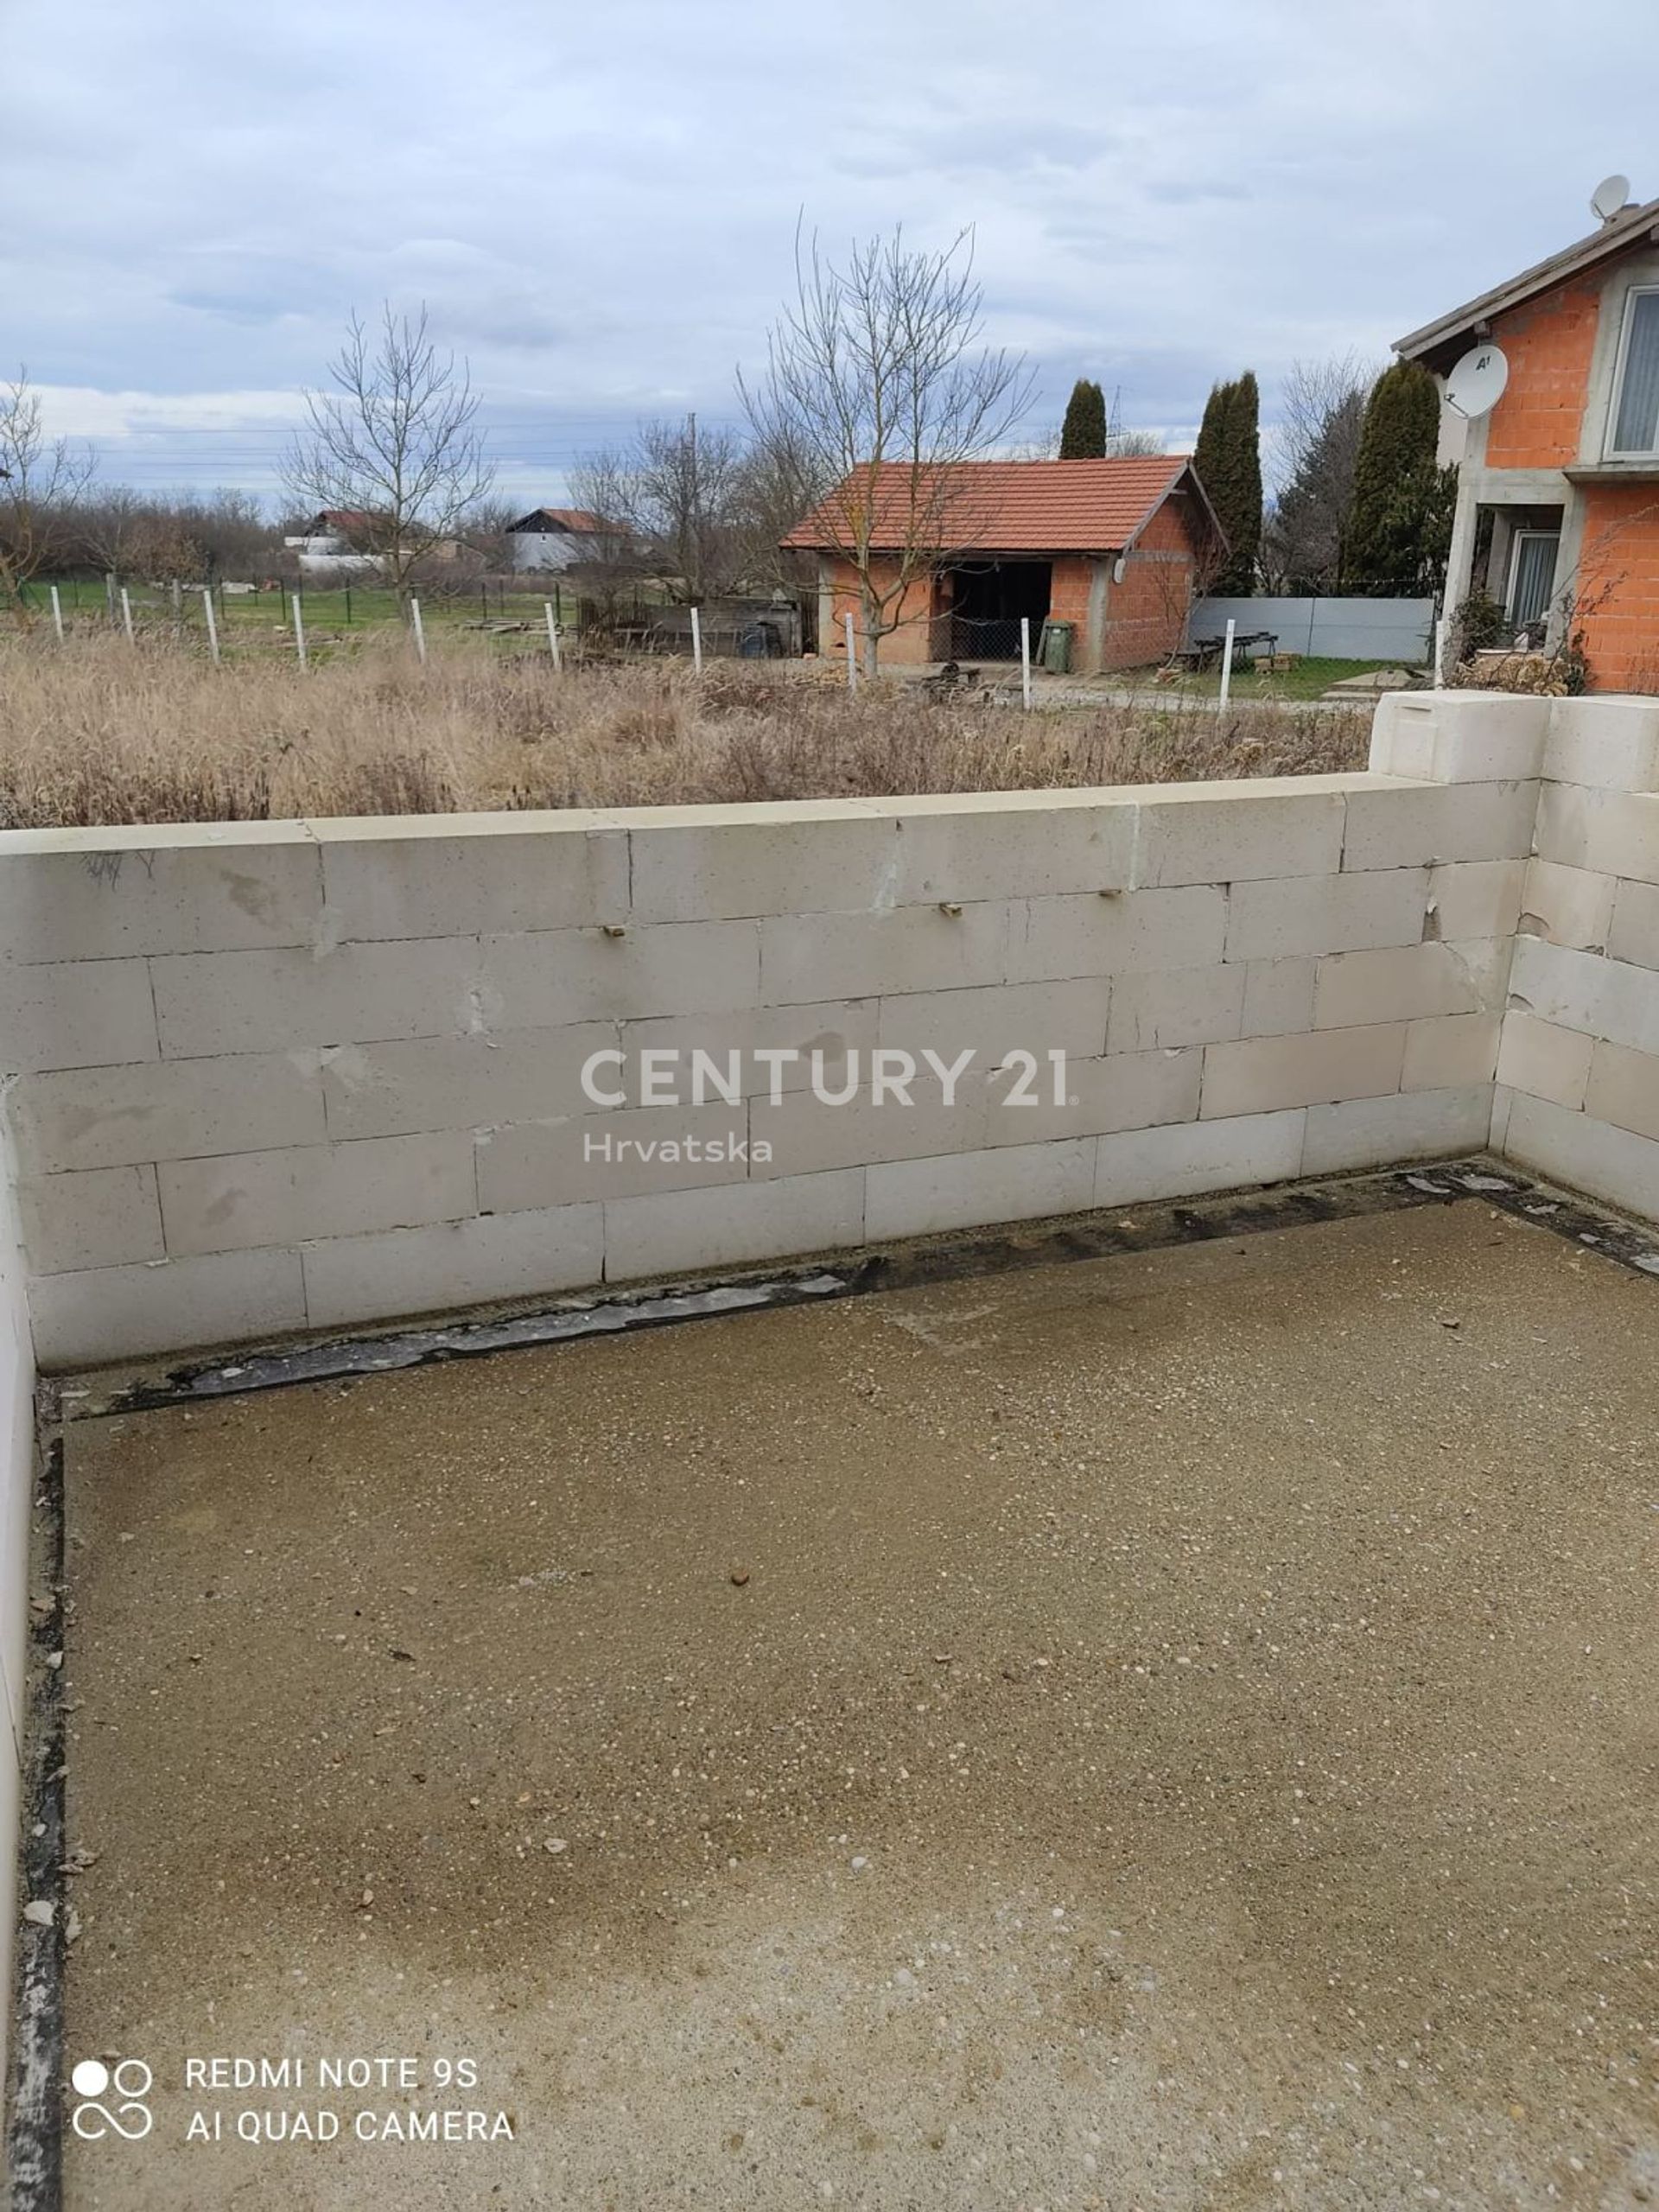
<point x="1558" y="499"/>
<point x="1118" y="548"/>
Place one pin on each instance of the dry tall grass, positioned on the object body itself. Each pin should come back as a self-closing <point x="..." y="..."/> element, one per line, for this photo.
<point x="100" y="733"/>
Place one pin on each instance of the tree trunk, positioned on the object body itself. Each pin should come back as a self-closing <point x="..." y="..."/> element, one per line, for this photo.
<point x="870" y="651"/>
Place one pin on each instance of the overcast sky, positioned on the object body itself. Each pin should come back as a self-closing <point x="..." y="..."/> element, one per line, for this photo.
<point x="597" y="203"/>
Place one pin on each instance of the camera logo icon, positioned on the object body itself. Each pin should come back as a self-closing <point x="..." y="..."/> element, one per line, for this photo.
<point x="127" y="2085"/>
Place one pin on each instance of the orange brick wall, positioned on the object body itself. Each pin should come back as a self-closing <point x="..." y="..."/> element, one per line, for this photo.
<point x="1068" y="601"/>
<point x="909" y="643"/>
<point x="1145" y="614"/>
<point x="1618" y="586"/>
<point x="1548" y="343"/>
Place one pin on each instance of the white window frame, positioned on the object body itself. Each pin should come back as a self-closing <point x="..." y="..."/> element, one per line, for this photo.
<point x="1615" y="402"/>
<point x="1518" y="538"/>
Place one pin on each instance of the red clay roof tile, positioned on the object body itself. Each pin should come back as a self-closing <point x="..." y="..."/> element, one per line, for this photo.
<point x="1011" y="506"/>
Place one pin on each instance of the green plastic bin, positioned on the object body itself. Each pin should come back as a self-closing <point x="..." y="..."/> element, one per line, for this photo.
<point x="1055" y="650"/>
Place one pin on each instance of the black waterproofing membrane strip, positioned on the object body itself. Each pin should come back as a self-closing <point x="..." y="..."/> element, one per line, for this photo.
<point x="939" y="1259"/>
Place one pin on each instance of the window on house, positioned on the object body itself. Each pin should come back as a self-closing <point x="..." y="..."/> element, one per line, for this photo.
<point x="1636" y="420"/>
<point x="1532" y="576"/>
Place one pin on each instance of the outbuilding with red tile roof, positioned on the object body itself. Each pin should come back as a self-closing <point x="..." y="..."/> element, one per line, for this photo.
<point x="1115" y="548"/>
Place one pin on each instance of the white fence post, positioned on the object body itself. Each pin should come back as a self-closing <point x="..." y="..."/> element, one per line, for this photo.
<point x="696" y="641"/>
<point x="126" y="616"/>
<point x="1025" y="661"/>
<point x="852" y="658"/>
<point x="1226" y="667"/>
<point x="213" y="625"/>
<point x="552" y="634"/>
<point x="419" y="628"/>
<point x="299" y="627"/>
<point x="57" y="612"/>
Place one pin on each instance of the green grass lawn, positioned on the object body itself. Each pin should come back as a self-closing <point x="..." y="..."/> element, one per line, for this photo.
<point x="335" y="621"/>
<point x="1309" y="679"/>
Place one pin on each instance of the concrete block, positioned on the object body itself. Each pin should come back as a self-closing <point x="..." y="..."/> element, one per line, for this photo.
<point x="1067" y="1017"/>
<point x="1417" y="1125"/>
<point x="803" y="1136"/>
<point x="1406" y="983"/>
<point x="1260" y="1074"/>
<point x="808" y="956"/>
<point x="358" y="994"/>
<point x="1633" y="933"/>
<point x="1613" y="833"/>
<point x="1141" y="930"/>
<point x="1624" y="1088"/>
<point x="452" y="1265"/>
<point x="75" y="1014"/>
<point x="1015" y="1182"/>
<point x="545" y="979"/>
<point x="1449" y="1051"/>
<point x="101" y="1217"/>
<point x="100" y="894"/>
<point x="621" y="1155"/>
<point x="1410" y="825"/>
<point x="1502" y="1102"/>
<point x="106" y="1313"/>
<point x="1200" y="836"/>
<point x="1608" y="741"/>
<point x="1604" y="998"/>
<point x="1191" y="1157"/>
<point x="1544" y="1061"/>
<point x="836" y="1028"/>
<point x="1313" y="914"/>
<point x="166" y="1110"/>
<point x="690" y="1232"/>
<point x="1126" y="1090"/>
<point x="699" y="864"/>
<point x="1459" y="737"/>
<point x="1037" y="844"/>
<point x="1175" y="1006"/>
<point x="246" y="1199"/>
<point x="463" y="1082"/>
<point x="1587" y="1154"/>
<point x="1470" y="899"/>
<point x="1278" y="997"/>
<point x="471" y="876"/>
<point x="1567" y="905"/>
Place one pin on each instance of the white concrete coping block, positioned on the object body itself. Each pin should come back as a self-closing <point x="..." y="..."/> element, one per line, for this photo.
<point x="1610" y="741"/>
<point x="1459" y="737"/>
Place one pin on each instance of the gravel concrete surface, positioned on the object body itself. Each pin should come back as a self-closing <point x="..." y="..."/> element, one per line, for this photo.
<point x="1178" y="1730"/>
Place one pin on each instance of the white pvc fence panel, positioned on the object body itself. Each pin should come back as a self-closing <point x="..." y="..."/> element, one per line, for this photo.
<point x="1334" y="629"/>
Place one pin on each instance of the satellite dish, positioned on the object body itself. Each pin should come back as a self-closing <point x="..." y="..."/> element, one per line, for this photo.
<point x="1611" y="197"/>
<point x="1476" y="386"/>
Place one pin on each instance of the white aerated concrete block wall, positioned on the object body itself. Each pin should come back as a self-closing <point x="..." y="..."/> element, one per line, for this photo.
<point x="1578" y="1077"/>
<point x="266" y="1077"/>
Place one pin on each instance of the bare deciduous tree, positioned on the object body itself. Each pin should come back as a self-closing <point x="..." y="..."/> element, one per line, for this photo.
<point x="1321" y="415"/>
<point x="677" y="491"/>
<point x="42" y="481"/>
<point x="395" y="443"/>
<point x="875" y="373"/>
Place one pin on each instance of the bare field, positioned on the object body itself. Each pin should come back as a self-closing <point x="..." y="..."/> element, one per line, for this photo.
<point x="104" y="733"/>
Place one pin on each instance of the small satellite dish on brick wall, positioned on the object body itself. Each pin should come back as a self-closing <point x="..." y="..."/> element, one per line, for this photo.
<point x="1611" y="197"/>
<point x="1476" y="386"/>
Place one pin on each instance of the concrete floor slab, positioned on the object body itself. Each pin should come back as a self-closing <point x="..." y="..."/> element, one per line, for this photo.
<point x="1178" y="1731"/>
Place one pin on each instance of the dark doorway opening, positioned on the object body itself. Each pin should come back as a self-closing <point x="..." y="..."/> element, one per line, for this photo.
<point x="981" y="605"/>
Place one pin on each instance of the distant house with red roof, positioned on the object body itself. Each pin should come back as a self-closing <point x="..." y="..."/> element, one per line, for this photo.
<point x="559" y="537"/>
<point x="1117" y="547"/>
